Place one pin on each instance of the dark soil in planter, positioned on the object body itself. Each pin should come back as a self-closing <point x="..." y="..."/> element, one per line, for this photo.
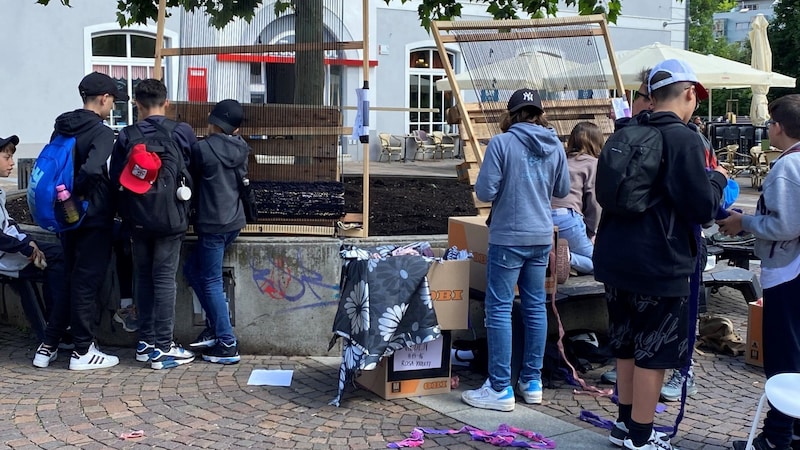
<point x="398" y="206"/>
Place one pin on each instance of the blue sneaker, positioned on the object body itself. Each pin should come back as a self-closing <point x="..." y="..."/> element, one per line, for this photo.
<point x="487" y="398"/>
<point x="671" y="391"/>
<point x="222" y="353"/>
<point x="143" y="350"/>
<point x="531" y="391"/>
<point x="173" y="357"/>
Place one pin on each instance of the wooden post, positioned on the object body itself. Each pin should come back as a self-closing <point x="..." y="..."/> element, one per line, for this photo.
<point x="365" y="146"/>
<point x="162" y="16"/>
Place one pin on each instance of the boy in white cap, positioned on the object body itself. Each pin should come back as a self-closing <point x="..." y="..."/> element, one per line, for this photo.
<point x="648" y="295"/>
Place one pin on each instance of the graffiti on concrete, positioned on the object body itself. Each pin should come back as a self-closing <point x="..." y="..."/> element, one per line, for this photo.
<point x="289" y="279"/>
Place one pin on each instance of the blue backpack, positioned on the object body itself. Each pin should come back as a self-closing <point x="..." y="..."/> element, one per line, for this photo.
<point x="55" y="165"/>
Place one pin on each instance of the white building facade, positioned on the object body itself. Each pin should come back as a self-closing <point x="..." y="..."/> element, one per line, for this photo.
<point x="49" y="49"/>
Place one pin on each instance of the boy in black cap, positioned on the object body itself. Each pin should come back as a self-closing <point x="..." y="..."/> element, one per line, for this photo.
<point x="218" y="164"/>
<point x="155" y="255"/>
<point x="87" y="249"/>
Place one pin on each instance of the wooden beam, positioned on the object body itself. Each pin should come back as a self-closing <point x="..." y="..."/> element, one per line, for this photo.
<point x="515" y="36"/>
<point x="263" y="48"/>
<point x="162" y="17"/>
<point x="450" y="25"/>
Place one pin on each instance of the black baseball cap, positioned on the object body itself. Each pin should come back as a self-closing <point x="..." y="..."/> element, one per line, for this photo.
<point x="227" y="114"/>
<point x="97" y="83"/>
<point x="13" y="139"/>
<point x="524" y="98"/>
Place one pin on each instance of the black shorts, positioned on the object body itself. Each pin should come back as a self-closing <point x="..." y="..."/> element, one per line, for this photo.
<point x="653" y="331"/>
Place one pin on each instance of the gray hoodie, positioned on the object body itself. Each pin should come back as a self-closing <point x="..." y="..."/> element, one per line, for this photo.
<point x="776" y="224"/>
<point x="522" y="169"/>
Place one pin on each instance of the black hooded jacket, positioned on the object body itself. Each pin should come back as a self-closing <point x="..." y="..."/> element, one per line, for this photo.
<point x="654" y="253"/>
<point x="217" y="164"/>
<point x="93" y="144"/>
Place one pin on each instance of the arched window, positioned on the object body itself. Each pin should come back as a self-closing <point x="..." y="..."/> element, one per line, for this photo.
<point x="425" y="68"/>
<point x="128" y="58"/>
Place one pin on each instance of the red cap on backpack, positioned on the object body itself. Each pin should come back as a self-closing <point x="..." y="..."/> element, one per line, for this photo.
<point x="141" y="170"/>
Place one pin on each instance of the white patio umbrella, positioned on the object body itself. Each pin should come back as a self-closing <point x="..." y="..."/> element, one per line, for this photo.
<point x="761" y="59"/>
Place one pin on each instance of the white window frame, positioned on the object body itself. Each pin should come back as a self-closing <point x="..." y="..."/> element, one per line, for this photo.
<point x="409" y="71"/>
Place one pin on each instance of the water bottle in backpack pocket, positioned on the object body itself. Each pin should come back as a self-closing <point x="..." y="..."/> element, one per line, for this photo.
<point x="55" y="168"/>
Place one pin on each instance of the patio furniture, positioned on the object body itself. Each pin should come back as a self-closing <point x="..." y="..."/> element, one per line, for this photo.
<point x="444" y="143"/>
<point x="424" y="144"/>
<point x="762" y="163"/>
<point x="783" y="393"/>
<point x="390" y="145"/>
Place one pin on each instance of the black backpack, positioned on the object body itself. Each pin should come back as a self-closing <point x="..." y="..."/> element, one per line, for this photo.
<point x="628" y="167"/>
<point x="159" y="210"/>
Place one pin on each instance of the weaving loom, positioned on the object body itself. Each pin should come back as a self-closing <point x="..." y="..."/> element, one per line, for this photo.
<point x="560" y="57"/>
<point x="285" y="70"/>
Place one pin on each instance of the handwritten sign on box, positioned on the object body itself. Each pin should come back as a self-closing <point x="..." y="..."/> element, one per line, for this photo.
<point x="422" y="356"/>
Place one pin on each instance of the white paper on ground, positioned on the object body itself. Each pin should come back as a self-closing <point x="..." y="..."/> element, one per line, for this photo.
<point x="264" y="377"/>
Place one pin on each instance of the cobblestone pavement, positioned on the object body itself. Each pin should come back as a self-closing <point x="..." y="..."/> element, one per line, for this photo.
<point x="211" y="406"/>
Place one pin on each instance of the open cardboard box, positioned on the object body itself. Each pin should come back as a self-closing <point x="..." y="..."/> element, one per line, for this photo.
<point x="421" y="370"/>
<point x="754" y="353"/>
<point x="471" y="233"/>
<point x="449" y="285"/>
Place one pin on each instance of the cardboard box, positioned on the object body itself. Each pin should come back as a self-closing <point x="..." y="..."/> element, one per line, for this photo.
<point x="754" y="353"/>
<point x="471" y="233"/>
<point x="398" y="377"/>
<point x="449" y="285"/>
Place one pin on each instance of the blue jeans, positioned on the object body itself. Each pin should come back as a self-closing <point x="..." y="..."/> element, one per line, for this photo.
<point x="506" y="267"/>
<point x="572" y="228"/>
<point x="203" y="270"/>
<point x="155" y="261"/>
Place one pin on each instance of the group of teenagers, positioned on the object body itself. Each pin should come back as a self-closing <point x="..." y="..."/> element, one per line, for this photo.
<point x="645" y="260"/>
<point x="105" y="167"/>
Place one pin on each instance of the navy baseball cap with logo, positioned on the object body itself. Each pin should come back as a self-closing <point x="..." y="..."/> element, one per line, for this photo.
<point x="97" y="83"/>
<point x="678" y="71"/>
<point x="525" y="98"/>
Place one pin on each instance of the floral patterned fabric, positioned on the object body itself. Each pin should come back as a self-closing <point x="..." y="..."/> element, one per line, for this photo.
<point x="385" y="305"/>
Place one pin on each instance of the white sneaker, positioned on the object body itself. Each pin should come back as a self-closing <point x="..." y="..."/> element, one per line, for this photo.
<point x="487" y="398"/>
<point x="92" y="359"/>
<point x="654" y="443"/>
<point x="44" y="356"/>
<point x="531" y="391"/>
<point x="174" y="357"/>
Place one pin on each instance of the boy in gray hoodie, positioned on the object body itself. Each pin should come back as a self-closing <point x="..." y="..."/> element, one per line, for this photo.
<point x="218" y="164"/>
<point x="776" y="226"/>
<point x="523" y="168"/>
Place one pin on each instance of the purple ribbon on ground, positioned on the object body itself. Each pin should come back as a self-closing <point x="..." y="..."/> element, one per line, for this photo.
<point x="504" y="436"/>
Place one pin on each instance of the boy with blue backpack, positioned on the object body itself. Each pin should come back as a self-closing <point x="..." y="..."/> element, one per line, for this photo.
<point x="87" y="246"/>
<point x="149" y="168"/>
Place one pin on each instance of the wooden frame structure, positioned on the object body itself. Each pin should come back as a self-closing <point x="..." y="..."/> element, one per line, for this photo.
<point x="358" y="223"/>
<point x="477" y="119"/>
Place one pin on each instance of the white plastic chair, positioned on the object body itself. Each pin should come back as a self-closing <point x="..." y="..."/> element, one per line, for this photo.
<point x="783" y="392"/>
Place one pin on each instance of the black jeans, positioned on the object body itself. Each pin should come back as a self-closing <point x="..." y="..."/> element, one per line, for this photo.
<point x="87" y="252"/>
<point x="781" y="335"/>
<point x="56" y="291"/>
<point x="155" y="261"/>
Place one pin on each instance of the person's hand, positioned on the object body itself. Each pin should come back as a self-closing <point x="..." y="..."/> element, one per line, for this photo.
<point x="731" y="225"/>
<point x="721" y="170"/>
<point x="36" y="250"/>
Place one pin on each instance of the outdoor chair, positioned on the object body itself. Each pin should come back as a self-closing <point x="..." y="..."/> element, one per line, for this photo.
<point x="762" y="163"/>
<point x="444" y="143"/>
<point x="734" y="161"/>
<point x="783" y="393"/>
<point x="424" y="144"/>
<point x="390" y="145"/>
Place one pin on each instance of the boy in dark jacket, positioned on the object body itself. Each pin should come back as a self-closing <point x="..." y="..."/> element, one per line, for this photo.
<point x="155" y="255"/>
<point x="645" y="260"/>
<point x="23" y="258"/>
<point x="87" y="249"/>
<point x="218" y="164"/>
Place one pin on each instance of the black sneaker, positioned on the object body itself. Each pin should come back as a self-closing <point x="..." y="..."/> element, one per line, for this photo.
<point x="620" y="432"/>
<point x="206" y="339"/>
<point x="759" y="443"/>
<point x="222" y="353"/>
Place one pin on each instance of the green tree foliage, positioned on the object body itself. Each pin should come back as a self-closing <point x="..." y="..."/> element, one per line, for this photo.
<point x="223" y="11"/>
<point x="702" y="40"/>
<point x="784" y="39"/>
